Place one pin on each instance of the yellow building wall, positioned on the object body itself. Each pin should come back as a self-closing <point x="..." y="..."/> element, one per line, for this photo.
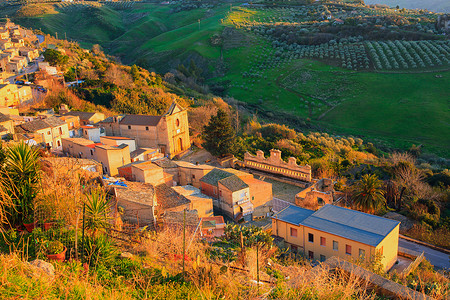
<point x="154" y="175"/>
<point x="144" y="138"/>
<point x="9" y="125"/>
<point x="174" y="133"/>
<point x="74" y="149"/>
<point x="328" y="251"/>
<point x="390" y="248"/>
<point x="191" y="176"/>
<point x="283" y="229"/>
<point x="112" y="159"/>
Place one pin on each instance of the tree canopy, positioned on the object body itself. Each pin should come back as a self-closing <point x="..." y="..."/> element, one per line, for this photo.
<point x="219" y="135"/>
<point x="369" y="193"/>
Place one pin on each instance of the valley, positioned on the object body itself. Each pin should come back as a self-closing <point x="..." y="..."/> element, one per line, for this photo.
<point x="381" y="74"/>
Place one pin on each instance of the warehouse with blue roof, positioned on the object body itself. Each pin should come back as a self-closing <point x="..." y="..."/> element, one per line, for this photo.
<point x="338" y="231"/>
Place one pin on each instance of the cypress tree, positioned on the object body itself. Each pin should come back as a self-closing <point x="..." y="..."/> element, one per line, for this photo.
<point x="219" y="135"/>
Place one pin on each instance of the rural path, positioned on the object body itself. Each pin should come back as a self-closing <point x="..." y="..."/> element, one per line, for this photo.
<point x="438" y="259"/>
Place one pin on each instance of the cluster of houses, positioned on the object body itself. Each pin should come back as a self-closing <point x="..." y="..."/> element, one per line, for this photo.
<point x="134" y="154"/>
<point x="18" y="49"/>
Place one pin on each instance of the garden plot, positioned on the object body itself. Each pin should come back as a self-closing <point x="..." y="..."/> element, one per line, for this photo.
<point x="318" y="91"/>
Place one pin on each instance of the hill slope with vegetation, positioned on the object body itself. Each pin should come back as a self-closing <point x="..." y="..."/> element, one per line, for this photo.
<point x="369" y="76"/>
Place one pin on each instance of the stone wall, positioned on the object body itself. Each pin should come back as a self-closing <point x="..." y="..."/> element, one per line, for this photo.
<point x="274" y="164"/>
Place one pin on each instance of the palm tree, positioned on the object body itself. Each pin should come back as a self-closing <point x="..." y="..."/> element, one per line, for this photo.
<point x="368" y="194"/>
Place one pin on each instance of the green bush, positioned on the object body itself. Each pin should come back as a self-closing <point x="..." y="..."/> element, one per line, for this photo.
<point x="54" y="247"/>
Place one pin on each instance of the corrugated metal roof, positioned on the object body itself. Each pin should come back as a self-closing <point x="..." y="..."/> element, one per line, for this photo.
<point x="293" y="214"/>
<point x="355" y="225"/>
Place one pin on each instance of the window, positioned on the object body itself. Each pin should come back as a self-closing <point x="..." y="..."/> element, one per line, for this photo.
<point x="92" y="152"/>
<point x="293" y="232"/>
<point x="146" y="127"/>
<point x="177" y="122"/>
<point x="129" y="127"/>
<point x="311" y="255"/>
<point x="320" y="201"/>
<point x="323" y="257"/>
<point x="335" y="246"/>
<point x="323" y="241"/>
<point x="348" y="249"/>
<point x="193" y="176"/>
<point x="362" y="253"/>
<point x="85" y="132"/>
<point x="60" y="130"/>
<point x="48" y="132"/>
<point x="310" y="237"/>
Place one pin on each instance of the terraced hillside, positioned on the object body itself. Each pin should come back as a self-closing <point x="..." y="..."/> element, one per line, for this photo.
<point x="379" y="73"/>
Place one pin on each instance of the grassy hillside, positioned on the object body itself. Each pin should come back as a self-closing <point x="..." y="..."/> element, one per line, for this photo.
<point x="385" y="91"/>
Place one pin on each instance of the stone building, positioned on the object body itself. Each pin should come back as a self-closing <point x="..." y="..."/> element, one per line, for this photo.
<point x="317" y="195"/>
<point x="275" y="165"/>
<point x="52" y="130"/>
<point x="236" y="193"/>
<point x="169" y="133"/>
<point x="6" y="126"/>
<point x="86" y="118"/>
<point x="12" y="94"/>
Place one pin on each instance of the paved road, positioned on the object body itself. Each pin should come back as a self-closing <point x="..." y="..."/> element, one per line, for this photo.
<point x="438" y="259"/>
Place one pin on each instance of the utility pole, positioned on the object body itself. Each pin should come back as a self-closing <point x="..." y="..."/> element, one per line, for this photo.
<point x="257" y="266"/>
<point x="56" y="35"/>
<point x="65" y="36"/>
<point x="184" y="238"/>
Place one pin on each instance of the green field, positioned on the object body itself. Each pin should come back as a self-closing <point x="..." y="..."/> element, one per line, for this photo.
<point x="402" y="107"/>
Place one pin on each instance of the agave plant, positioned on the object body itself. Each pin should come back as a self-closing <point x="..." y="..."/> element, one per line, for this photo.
<point x="97" y="210"/>
<point x="20" y="177"/>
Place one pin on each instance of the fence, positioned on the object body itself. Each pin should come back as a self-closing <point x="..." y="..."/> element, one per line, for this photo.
<point x="414" y="264"/>
<point x="278" y="204"/>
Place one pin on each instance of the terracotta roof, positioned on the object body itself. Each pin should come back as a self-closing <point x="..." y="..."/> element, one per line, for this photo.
<point x="165" y="163"/>
<point x="116" y="138"/>
<point x="108" y="147"/>
<point x="4" y="118"/>
<point x="215" y="176"/>
<point x="80" y="141"/>
<point x="136" y="191"/>
<point x="141" y="120"/>
<point x="39" y="124"/>
<point x="147" y="165"/>
<point x="82" y="114"/>
<point x="140" y="151"/>
<point x="233" y="183"/>
<point x="168" y="198"/>
<point x="2" y="128"/>
<point x="186" y="164"/>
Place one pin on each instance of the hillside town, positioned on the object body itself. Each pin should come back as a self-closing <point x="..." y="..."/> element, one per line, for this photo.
<point x="155" y="178"/>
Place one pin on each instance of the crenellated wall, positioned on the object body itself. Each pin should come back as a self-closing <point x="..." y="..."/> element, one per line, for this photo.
<point x="274" y="164"/>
